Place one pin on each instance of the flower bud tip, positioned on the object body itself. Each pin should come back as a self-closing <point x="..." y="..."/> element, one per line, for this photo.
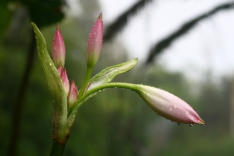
<point x="201" y="122"/>
<point x="169" y="105"/>
<point x="100" y="16"/>
<point x="58" y="48"/>
<point x="94" y="44"/>
<point x="72" y="97"/>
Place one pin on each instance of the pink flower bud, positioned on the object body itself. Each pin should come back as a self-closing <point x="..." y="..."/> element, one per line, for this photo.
<point x="94" y="45"/>
<point x="72" y="97"/>
<point x="58" y="49"/>
<point x="60" y="69"/>
<point x="63" y="75"/>
<point x="169" y="105"/>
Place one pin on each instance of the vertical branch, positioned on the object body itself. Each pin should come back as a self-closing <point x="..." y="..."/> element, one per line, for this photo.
<point x="57" y="149"/>
<point x="20" y="98"/>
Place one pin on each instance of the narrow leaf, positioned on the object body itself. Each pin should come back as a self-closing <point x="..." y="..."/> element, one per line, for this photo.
<point x="109" y="73"/>
<point x="52" y="76"/>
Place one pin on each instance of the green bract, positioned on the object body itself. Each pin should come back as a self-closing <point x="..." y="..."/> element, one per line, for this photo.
<point x="109" y="73"/>
<point x="54" y="83"/>
<point x="48" y="66"/>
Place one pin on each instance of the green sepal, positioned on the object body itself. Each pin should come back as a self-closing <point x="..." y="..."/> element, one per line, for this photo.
<point x="109" y="73"/>
<point x="54" y="83"/>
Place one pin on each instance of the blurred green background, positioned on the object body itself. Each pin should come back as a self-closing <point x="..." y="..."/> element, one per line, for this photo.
<point x="117" y="122"/>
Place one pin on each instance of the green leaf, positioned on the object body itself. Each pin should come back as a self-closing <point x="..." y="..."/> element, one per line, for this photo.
<point x="100" y="82"/>
<point x="52" y="76"/>
<point x="109" y="73"/>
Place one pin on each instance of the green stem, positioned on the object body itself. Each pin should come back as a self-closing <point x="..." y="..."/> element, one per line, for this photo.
<point x="130" y="86"/>
<point x="57" y="149"/>
<point x="92" y="92"/>
<point x="86" y="80"/>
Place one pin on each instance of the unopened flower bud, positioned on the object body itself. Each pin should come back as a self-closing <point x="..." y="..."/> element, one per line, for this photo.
<point x="60" y="69"/>
<point x="72" y="97"/>
<point x="169" y="105"/>
<point x="58" y="49"/>
<point x="94" y="45"/>
<point x="63" y="75"/>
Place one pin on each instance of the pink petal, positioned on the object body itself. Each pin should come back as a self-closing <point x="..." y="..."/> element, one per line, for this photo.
<point x="58" y="48"/>
<point x="72" y="97"/>
<point x="94" y="44"/>
<point x="170" y="106"/>
<point x="63" y="75"/>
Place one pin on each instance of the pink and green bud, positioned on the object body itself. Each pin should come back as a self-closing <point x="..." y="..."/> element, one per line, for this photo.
<point x="58" y="49"/>
<point x="72" y="97"/>
<point x="94" y="45"/>
<point x="169" y="105"/>
<point x="63" y="75"/>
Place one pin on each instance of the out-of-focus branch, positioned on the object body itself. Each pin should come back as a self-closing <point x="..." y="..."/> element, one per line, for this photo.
<point x="21" y="95"/>
<point x="185" y="28"/>
<point x="37" y="10"/>
<point x="115" y="27"/>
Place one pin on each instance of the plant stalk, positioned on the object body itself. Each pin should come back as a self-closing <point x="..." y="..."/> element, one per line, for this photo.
<point x="91" y="92"/>
<point x="57" y="149"/>
<point x="86" y="80"/>
<point x="113" y="85"/>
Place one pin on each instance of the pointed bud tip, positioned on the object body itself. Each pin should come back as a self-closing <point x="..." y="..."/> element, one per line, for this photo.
<point x="100" y="16"/>
<point x="58" y="27"/>
<point x="94" y="44"/>
<point x="201" y="122"/>
<point x="74" y="87"/>
<point x="58" y="48"/>
<point x="170" y="106"/>
<point x="72" y="97"/>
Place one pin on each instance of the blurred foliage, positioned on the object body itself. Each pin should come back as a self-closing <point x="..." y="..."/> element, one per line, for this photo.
<point x="5" y="15"/>
<point x="44" y="12"/>
<point x="116" y="122"/>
